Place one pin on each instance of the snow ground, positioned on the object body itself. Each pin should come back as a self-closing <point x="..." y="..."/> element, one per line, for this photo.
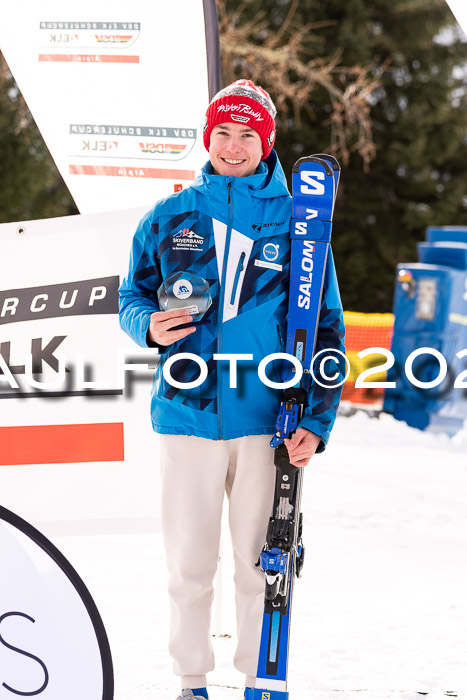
<point x="381" y="609"/>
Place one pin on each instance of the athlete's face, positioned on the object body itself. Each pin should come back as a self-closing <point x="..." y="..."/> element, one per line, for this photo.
<point x="235" y="149"/>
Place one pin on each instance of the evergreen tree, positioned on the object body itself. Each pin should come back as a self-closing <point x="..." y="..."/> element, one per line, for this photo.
<point x="31" y="187"/>
<point x="419" y="119"/>
<point x="418" y="114"/>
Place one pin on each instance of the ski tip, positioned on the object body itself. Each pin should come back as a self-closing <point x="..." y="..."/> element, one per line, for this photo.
<point x="330" y="159"/>
<point x="313" y="159"/>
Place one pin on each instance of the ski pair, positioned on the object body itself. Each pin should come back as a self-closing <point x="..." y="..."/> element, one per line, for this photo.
<point x="314" y="186"/>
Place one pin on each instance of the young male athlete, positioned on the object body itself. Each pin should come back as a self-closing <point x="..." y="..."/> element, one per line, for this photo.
<point x="230" y="228"/>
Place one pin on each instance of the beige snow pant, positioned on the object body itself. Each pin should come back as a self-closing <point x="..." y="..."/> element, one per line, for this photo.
<point x="195" y="473"/>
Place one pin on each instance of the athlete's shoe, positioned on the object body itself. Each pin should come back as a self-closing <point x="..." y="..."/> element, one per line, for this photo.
<point x="248" y="694"/>
<point x="195" y="694"/>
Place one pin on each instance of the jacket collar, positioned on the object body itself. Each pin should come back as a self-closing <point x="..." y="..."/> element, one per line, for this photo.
<point x="268" y="180"/>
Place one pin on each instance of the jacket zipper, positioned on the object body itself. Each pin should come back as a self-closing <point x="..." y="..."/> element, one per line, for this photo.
<point x="221" y="300"/>
<point x="236" y="279"/>
<point x="279" y="333"/>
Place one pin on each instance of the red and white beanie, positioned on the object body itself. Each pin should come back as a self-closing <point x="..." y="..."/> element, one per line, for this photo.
<point x="243" y="102"/>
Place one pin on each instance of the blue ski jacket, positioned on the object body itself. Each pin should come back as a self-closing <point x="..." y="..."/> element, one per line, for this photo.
<point x="233" y="232"/>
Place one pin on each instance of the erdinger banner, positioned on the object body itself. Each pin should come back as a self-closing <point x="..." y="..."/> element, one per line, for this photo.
<point x="118" y="91"/>
<point x="53" y="645"/>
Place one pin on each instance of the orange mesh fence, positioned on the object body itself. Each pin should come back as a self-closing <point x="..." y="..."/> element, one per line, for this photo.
<point x="364" y="331"/>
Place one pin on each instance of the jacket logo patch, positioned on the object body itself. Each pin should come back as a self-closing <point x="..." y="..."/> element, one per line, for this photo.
<point x="269" y="265"/>
<point x="258" y="227"/>
<point x="187" y="240"/>
<point x="271" y="252"/>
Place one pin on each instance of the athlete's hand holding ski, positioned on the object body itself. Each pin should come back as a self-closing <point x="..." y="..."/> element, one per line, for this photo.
<point x="301" y="447"/>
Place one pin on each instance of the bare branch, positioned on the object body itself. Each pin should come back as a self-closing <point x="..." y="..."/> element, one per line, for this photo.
<point x="285" y="27"/>
<point x="279" y="63"/>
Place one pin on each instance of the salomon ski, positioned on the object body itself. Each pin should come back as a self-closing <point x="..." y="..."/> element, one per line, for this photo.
<point x="314" y="186"/>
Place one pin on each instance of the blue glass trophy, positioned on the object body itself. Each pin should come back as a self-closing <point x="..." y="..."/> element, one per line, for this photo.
<point x="184" y="290"/>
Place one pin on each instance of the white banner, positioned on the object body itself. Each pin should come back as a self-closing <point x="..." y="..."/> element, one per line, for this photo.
<point x="83" y="445"/>
<point x="52" y="640"/>
<point x="118" y="91"/>
<point x="459" y="10"/>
